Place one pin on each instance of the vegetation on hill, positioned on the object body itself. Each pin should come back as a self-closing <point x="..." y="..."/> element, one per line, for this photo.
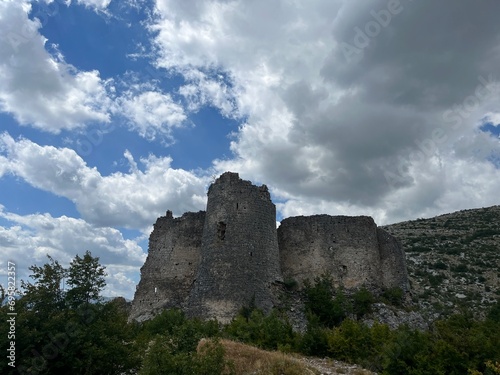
<point x="73" y="332"/>
<point x="453" y="260"/>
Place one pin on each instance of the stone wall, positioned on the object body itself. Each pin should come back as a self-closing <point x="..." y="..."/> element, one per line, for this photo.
<point x="173" y="258"/>
<point x="344" y="247"/>
<point x="392" y="262"/>
<point x="240" y="259"/>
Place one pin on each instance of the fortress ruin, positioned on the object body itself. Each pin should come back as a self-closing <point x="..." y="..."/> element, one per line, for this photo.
<point x="210" y="264"/>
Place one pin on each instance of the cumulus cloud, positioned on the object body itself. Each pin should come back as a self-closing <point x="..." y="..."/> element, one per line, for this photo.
<point x="39" y="88"/>
<point x="348" y="106"/>
<point x="132" y="200"/>
<point x="204" y="90"/>
<point x="30" y="238"/>
<point x="152" y="114"/>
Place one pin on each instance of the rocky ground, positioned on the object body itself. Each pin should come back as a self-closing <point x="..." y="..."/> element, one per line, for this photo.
<point x="453" y="260"/>
<point x="326" y="366"/>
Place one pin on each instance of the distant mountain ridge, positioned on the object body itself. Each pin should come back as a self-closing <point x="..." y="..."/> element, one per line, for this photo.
<point x="453" y="260"/>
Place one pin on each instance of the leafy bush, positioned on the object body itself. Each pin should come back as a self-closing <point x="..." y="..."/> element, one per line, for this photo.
<point x="435" y="280"/>
<point x="165" y="357"/>
<point x="393" y="296"/>
<point x="440" y="265"/>
<point x="315" y="340"/>
<point x="290" y="283"/>
<point x="267" y="332"/>
<point x="320" y="302"/>
<point x="362" y="302"/>
<point x="460" y="268"/>
<point x="419" y="249"/>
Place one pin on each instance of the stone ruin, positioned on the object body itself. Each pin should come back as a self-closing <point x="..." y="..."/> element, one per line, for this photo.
<point x="210" y="264"/>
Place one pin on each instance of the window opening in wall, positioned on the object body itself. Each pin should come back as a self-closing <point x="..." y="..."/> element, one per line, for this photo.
<point x="221" y="230"/>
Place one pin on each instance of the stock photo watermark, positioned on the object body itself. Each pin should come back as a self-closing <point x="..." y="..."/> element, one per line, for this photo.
<point x="362" y="36"/>
<point x="453" y="118"/>
<point x="58" y="343"/>
<point x="11" y="314"/>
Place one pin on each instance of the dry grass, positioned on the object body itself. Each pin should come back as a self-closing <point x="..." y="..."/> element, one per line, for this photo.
<point x="250" y="360"/>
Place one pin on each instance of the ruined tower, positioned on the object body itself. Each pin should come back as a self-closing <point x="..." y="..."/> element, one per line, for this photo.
<point x="173" y="259"/>
<point x="240" y="257"/>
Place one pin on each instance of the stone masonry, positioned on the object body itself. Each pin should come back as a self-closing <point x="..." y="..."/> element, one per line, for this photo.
<point x="173" y="259"/>
<point x="351" y="250"/>
<point x="212" y="264"/>
<point x="240" y="257"/>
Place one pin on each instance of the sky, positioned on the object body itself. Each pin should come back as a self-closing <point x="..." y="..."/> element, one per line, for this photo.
<point x="112" y="112"/>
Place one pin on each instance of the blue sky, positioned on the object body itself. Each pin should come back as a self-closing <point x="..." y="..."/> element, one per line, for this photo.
<point x="112" y="112"/>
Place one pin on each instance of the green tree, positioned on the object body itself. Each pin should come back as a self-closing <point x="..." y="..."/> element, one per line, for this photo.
<point x="54" y="336"/>
<point x="45" y="294"/>
<point x="494" y="312"/>
<point x="86" y="279"/>
<point x="40" y="318"/>
<point x="320" y="302"/>
<point x="362" y="302"/>
<point x="268" y="332"/>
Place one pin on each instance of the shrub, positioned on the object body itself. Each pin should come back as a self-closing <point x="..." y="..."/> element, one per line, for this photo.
<point x="320" y="302"/>
<point x="461" y="268"/>
<point x="290" y="283"/>
<point x="362" y="302"/>
<point x="393" y="296"/>
<point x="435" y="280"/>
<point x="440" y="265"/>
<point x="164" y="357"/>
<point x="268" y="332"/>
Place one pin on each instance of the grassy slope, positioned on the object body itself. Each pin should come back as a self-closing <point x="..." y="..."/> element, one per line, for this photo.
<point x="247" y="359"/>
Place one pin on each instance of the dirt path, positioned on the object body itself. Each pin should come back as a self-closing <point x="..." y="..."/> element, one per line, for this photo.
<point x="326" y="366"/>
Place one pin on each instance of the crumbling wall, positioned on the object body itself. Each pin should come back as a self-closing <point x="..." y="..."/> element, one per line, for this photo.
<point x="343" y="247"/>
<point x="173" y="258"/>
<point x="240" y="260"/>
<point x="392" y="262"/>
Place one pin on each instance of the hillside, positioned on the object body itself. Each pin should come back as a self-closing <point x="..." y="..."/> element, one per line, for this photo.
<point x="247" y="359"/>
<point x="453" y="260"/>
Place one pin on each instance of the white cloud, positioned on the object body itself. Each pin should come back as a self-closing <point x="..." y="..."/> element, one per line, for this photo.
<point x="132" y="200"/>
<point x="30" y="238"/>
<point x="152" y="113"/>
<point x="326" y="131"/>
<point x="493" y="118"/>
<point x="96" y="4"/>
<point x="39" y="88"/>
<point x="203" y="90"/>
